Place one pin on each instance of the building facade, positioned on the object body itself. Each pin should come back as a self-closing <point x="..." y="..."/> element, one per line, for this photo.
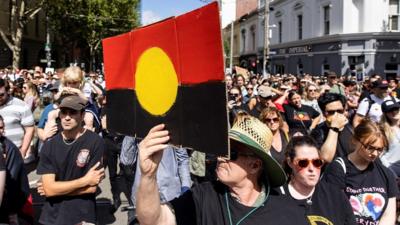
<point x="347" y="37"/>
<point x="33" y="42"/>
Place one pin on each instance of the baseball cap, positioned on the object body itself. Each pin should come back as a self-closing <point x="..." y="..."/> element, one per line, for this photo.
<point x="390" y="105"/>
<point x="73" y="102"/>
<point x="380" y="84"/>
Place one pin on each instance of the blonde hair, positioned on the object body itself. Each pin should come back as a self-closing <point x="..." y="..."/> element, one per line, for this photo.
<point x="72" y="74"/>
<point x="385" y="123"/>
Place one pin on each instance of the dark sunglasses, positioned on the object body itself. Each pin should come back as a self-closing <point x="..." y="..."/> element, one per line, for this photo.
<point x="270" y="120"/>
<point x="67" y="111"/>
<point x="332" y="112"/>
<point x="303" y="163"/>
<point x="249" y="88"/>
<point x="234" y="95"/>
<point x="312" y="90"/>
<point x="235" y="154"/>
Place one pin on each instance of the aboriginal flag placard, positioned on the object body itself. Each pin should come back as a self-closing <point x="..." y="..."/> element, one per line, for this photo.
<point x="170" y="72"/>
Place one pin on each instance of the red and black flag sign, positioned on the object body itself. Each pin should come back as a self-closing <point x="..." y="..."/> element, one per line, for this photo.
<point x="170" y="72"/>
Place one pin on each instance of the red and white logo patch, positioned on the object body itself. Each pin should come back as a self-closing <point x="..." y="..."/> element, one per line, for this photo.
<point x="83" y="158"/>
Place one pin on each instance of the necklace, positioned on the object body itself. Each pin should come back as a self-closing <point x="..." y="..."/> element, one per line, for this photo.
<point x="249" y="213"/>
<point x="72" y="142"/>
<point x="308" y="198"/>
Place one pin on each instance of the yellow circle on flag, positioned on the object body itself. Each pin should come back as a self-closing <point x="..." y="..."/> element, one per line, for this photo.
<point x="156" y="81"/>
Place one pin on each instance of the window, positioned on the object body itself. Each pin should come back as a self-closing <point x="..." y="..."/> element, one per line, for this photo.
<point x="394" y="22"/>
<point x="280" y="31"/>
<point x="326" y="19"/>
<point x="394" y="15"/>
<point x="253" y="38"/>
<point x="300" y="26"/>
<point x="243" y="40"/>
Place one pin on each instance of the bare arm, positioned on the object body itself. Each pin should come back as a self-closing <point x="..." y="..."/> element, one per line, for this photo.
<point x="2" y="184"/>
<point x="389" y="216"/>
<point x="50" y="187"/>
<point x="149" y="209"/>
<point x="88" y="118"/>
<point x="357" y="120"/>
<point x="26" y="141"/>
<point x="328" y="149"/>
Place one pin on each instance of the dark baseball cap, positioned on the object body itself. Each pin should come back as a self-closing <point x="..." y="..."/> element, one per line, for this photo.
<point x="390" y="105"/>
<point x="380" y="84"/>
<point x="73" y="102"/>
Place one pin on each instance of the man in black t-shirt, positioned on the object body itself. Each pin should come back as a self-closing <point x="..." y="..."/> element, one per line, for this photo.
<point x="240" y="196"/>
<point x="333" y="135"/>
<point x="69" y="165"/>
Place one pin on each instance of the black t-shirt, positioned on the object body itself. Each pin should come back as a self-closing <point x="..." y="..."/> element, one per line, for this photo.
<point x="343" y="147"/>
<point x="70" y="161"/>
<point x="367" y="190"/>
<point x="299" y="120"/>
<point x="328" y="205"/>
<point x="280" y="156"/>
<point x="206" y="204"/>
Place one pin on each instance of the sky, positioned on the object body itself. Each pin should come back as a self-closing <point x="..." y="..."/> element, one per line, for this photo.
<point x="156" y="10"/>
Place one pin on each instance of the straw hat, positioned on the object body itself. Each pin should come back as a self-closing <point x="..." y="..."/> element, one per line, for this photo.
<point x="257" y="137"/>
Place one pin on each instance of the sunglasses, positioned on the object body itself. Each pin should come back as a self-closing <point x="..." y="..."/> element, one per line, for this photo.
<point x="270" y="120"/>
<point x="234" y="95"/>
<point x="312" y="90"/>
<point x="66" y="111"/>
<point x="235" y="155"/>
<point x="249" y="88"/>
<point x="332" y="112"/>
<point x="303" y="163"/>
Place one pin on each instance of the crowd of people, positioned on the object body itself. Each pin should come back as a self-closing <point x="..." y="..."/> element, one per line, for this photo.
<point x="322" y="149"/>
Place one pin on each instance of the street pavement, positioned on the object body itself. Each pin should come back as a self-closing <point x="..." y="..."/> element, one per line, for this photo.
<point x="104" y="201"/>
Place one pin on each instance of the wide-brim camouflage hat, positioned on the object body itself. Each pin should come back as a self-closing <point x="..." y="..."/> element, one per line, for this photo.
<point x="257" y="137"/>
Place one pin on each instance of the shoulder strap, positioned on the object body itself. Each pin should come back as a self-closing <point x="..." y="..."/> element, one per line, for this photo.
<point x="370" y="103"/>
<point x="341" y="162"/>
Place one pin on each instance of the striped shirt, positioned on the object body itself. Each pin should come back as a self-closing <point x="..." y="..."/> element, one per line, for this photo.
<point x="17" y="115"/>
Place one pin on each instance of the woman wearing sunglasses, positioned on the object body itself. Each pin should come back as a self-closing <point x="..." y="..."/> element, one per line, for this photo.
<point x="369" y="186"/>
<point x="305" y="198"/>
<point x="273" y="119"/>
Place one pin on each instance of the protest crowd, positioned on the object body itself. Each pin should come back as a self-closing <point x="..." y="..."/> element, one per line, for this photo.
<point x="305" y="149"/>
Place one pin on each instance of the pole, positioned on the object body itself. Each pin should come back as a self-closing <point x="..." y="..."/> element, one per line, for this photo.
<point x="47" y="47"/>
<point x="231" y="51"/>
<point x="266" y="37"/>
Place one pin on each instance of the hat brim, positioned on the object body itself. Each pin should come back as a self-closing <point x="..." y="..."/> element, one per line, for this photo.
<point x="275" y="174"/>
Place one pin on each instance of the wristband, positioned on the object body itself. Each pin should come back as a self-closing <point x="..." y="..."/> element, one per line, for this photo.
<point x="334" y="129"/>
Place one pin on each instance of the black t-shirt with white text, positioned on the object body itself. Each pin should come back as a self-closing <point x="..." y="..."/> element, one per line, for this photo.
<point x="70" y="161"/>
<point x="368" y="190"/>
<point x="328" y="205"/>
<point x="299" y="119"/>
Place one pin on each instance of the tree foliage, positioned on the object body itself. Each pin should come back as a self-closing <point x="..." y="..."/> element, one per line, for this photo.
<point x="84" y="23"/>
<point x="22" y="12"/>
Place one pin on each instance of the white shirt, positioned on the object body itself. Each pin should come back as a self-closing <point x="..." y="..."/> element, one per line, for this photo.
<point x="375" y="112"/>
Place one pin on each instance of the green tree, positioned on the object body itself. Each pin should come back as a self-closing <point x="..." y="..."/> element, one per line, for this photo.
<point x="21" y="14"/>
<point x="84" y="23"/>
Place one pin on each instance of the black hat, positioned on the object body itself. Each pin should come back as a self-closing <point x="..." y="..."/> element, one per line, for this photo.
<point x="390" y="105"/>
<point x="380" y="84"/>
